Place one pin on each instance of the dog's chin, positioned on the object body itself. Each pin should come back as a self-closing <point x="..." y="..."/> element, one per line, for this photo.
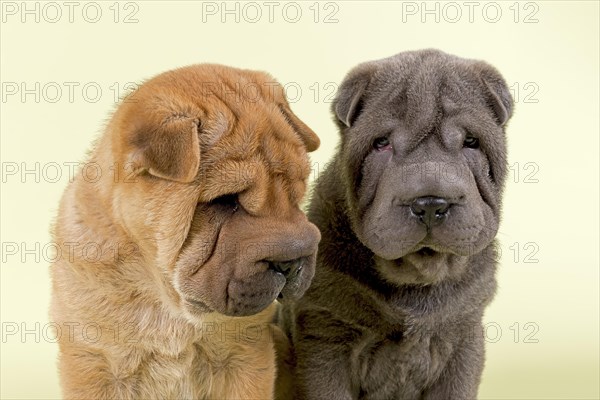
<point x="196" y="309"/>
<point x="241" y="297"/>
<point x="424" y="265"/>
<point x="245" y="304"/>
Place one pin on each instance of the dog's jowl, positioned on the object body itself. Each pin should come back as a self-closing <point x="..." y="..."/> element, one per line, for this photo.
<point x="179" y="247"/>
<point x="408" y="211"/>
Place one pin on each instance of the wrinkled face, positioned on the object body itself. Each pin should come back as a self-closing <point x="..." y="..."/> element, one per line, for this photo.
<point x="249" y="242"/>
<point x="226" y="230"/>
<point x="425" y="152"/>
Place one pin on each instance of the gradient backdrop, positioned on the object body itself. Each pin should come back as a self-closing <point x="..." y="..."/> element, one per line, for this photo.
<point x="63" y="65"/>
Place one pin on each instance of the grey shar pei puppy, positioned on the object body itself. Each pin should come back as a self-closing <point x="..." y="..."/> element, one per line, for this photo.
<point x="408" y="210"/>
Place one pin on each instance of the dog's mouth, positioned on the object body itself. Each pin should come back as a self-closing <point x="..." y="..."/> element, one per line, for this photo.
<point x="426" y="252"/>
<point x="422" y="255"/>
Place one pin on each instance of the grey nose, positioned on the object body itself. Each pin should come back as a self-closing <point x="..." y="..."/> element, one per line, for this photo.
<point x="289" y="267"/>
<point x="430" y="210"/>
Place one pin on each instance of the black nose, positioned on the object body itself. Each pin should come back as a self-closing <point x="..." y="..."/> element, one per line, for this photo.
<point x="289" y="267"/>
<point x="430" y="210"/>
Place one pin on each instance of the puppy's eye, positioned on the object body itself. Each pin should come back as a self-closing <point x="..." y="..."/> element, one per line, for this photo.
<point x="229" y="201"/>
<point x="382" y="143"/>
<point x="471" y="142"/>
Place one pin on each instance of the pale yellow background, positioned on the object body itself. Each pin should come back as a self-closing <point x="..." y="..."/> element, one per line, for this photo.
<point x="558" y="134"/>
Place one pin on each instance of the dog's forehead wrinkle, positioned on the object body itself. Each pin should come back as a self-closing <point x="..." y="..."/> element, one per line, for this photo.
<point x="425" y="84"/>
<point x="422" y="109"/>
<point x="450" y="105"/>
<point x="422" y="131"/>
<point x="212" y="131"/>
<point x="378" y="105"/>
<point x="232" y="106"/>
<point x="284" y="158"/>
<point x="226" y="88"/>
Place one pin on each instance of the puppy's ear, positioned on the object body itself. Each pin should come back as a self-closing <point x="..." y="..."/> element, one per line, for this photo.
<point x="348" y="102"/>
<point x="168" y="149"/>
<point x="497" y="93"/>
<point x="309" y="138"/>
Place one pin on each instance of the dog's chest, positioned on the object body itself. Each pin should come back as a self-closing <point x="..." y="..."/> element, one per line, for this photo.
<point x="403" y="369"/>
<point x="146" y="373"/>
<point x="191" y="374"/>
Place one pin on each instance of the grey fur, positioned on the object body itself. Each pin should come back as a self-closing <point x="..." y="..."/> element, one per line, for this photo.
<point x="395" y="308"/>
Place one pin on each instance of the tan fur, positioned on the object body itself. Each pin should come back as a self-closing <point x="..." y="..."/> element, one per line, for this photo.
<point x="144" y="249"/>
